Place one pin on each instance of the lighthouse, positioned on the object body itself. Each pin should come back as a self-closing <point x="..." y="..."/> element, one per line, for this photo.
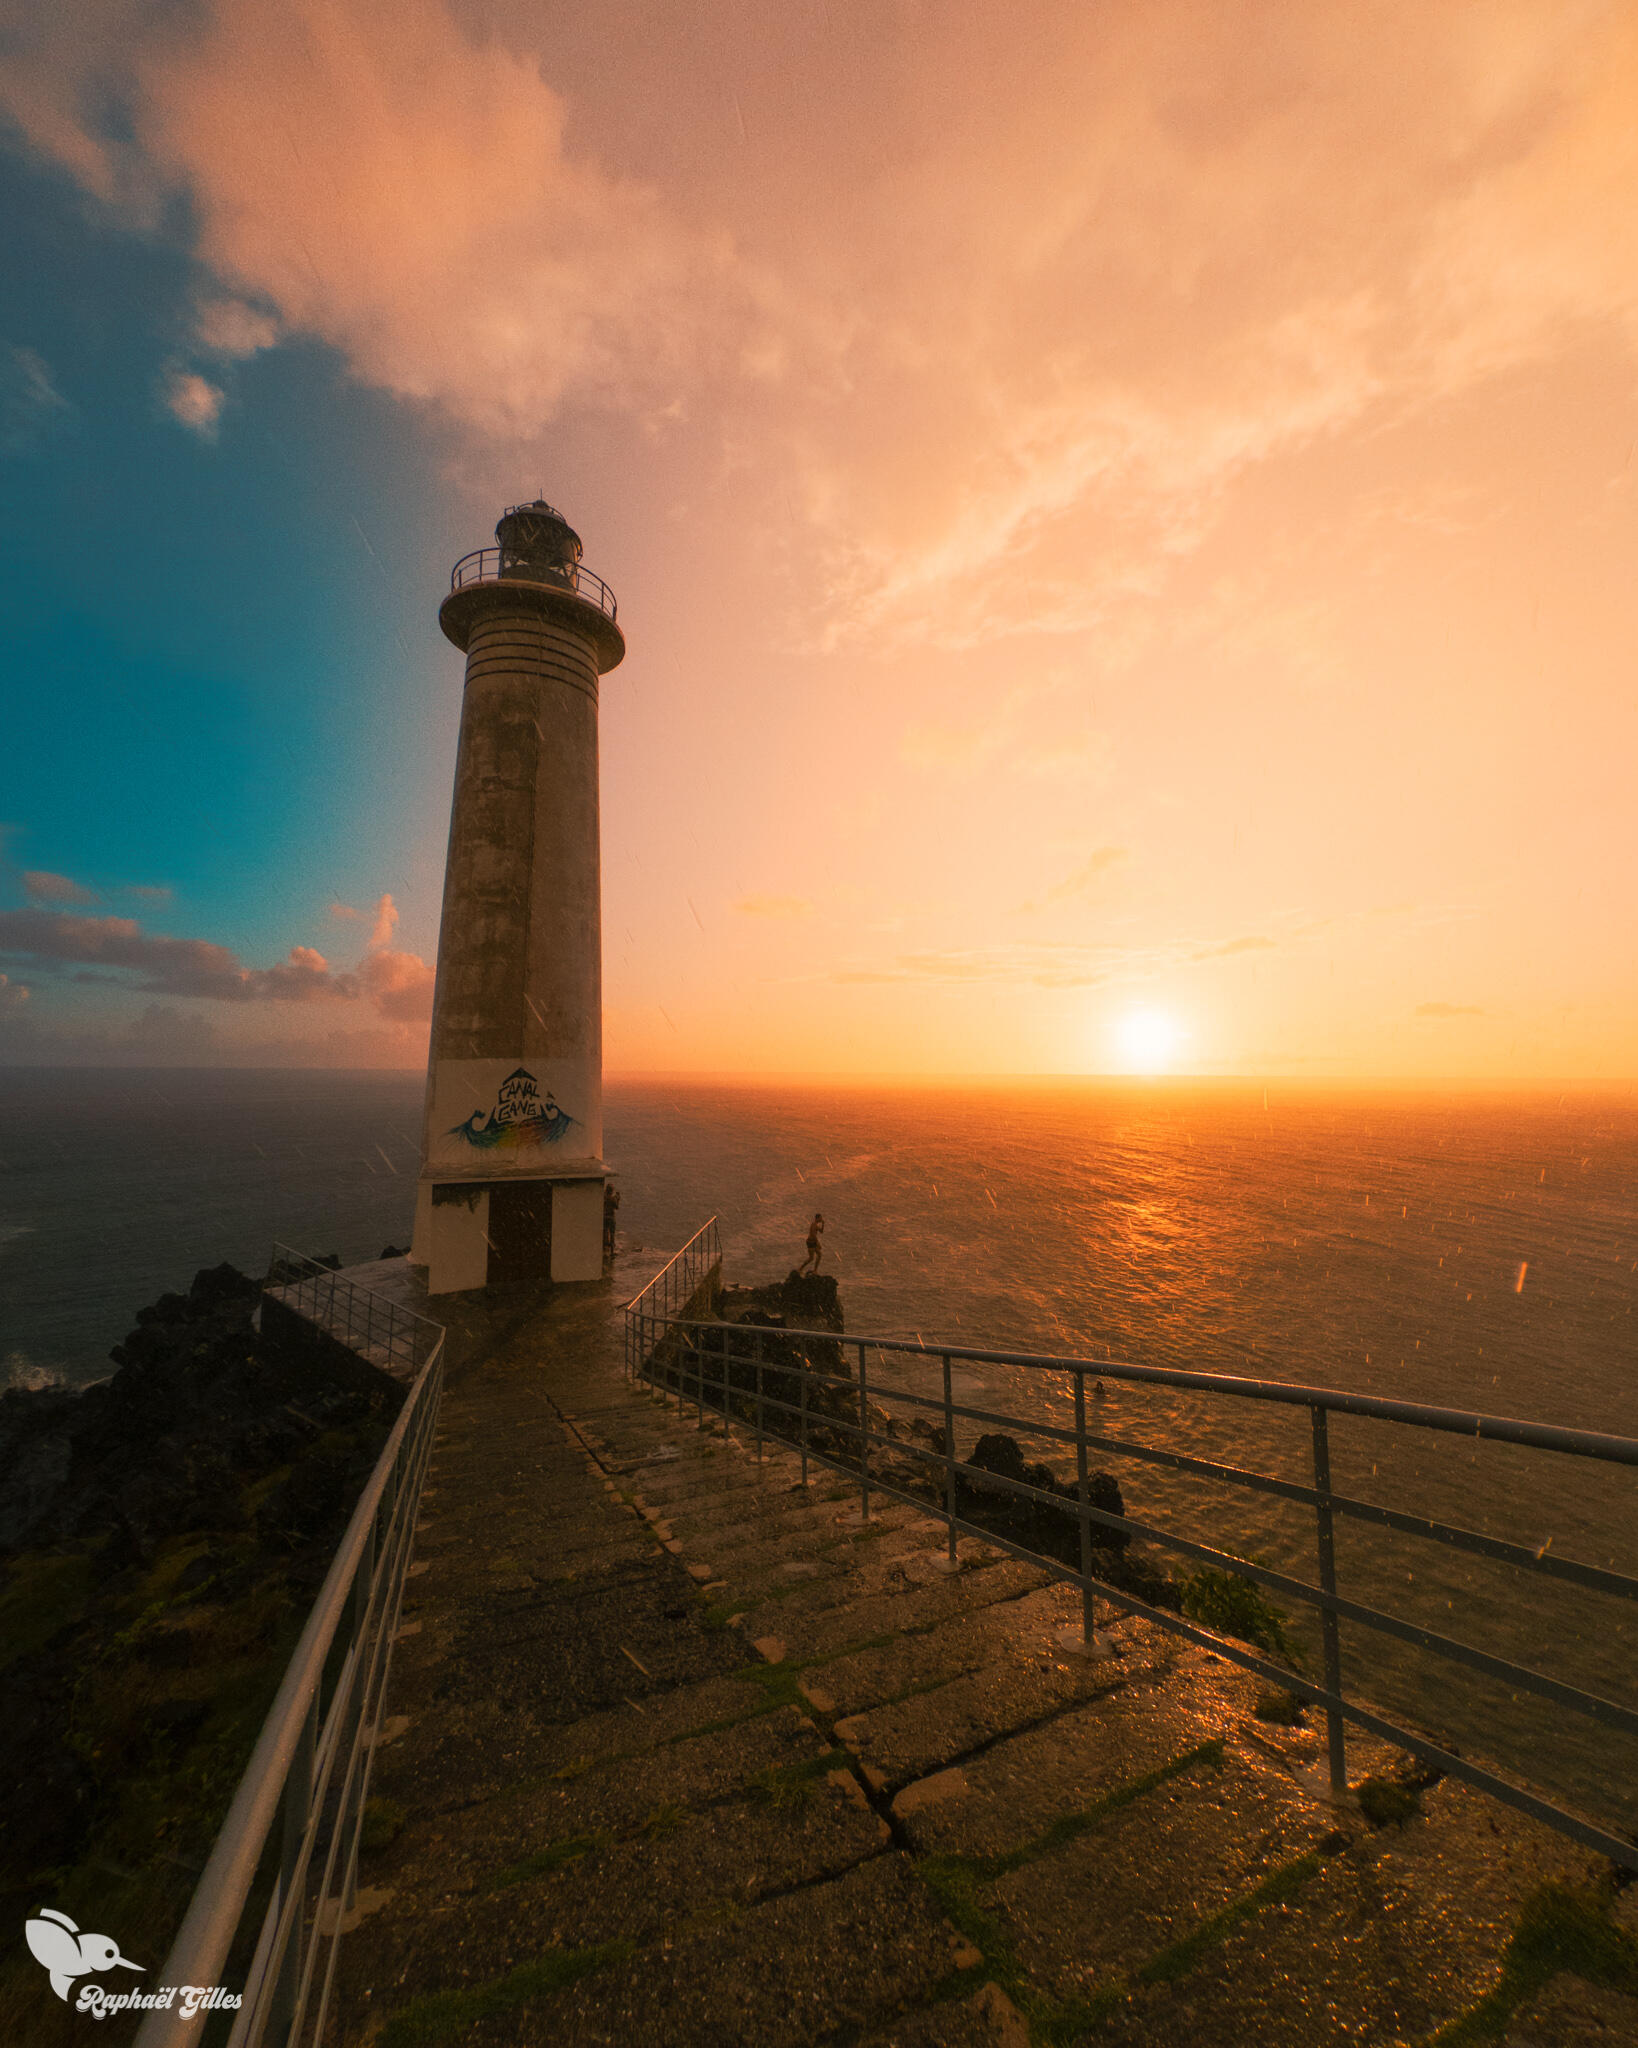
<point x="512" y="1171"/>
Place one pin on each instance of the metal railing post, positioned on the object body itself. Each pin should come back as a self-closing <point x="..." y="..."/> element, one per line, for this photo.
<point x="950" y="1461"/>
<point x="759" y="1397"/>
<point x="1088" y="1614"/>
<point x="864" y="1440"/>
<point x="1330" y="1629"/>
<point x="298" y="1798"/>
<point x="802" y="1398"/>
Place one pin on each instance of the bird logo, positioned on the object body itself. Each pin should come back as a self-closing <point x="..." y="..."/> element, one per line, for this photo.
<point x="59" y="1946"/>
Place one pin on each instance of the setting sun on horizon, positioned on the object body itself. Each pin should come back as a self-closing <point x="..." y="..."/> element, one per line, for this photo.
<point x="1148" y="1041"/>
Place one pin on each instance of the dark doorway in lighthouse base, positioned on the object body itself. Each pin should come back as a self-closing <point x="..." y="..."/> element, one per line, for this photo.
<point x="520" y="1232"/>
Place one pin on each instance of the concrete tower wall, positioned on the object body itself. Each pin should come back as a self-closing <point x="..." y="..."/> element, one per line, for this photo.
<point x="512" y="1175"/>
<point x="520" y="966"/>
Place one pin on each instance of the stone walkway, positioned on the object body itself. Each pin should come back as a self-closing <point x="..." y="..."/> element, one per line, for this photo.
<point x="679" y="1753"/>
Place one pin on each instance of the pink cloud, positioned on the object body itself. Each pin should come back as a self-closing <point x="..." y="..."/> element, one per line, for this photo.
<point x="48" y="888"/>
<point x="946" y="353"/>
<point x="386" y="923"/>
<point x="194" y="401"/>
<point x="399" y="984"/>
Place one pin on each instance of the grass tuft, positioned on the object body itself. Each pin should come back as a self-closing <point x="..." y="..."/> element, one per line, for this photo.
<point x="555" y="1856"/>
<point x="1233" y="1606"/>
<point x="789" y="1787"/>
<point x="451" y="2015"/>
<point x="1561" y="1927"/>
<point x="383" y="1820"/>
<point x="1179" y="1957"/>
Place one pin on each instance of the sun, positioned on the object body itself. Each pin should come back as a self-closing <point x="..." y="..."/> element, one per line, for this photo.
<point x="1148" y="1040"/>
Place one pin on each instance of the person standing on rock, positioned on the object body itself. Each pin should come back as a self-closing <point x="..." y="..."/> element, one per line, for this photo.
<point x="816" y="1230"/>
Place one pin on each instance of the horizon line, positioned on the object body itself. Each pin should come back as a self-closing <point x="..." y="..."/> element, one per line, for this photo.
<point x="810" y="1077"/>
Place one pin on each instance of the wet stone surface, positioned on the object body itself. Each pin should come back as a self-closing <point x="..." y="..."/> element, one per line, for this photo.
<point x="684" y="1753"/>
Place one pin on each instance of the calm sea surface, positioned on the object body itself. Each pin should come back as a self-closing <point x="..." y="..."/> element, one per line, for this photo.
<point x="1474" y="1251"/>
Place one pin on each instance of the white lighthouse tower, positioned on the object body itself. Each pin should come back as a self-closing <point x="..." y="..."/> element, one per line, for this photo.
<point x="512" y="1172"/>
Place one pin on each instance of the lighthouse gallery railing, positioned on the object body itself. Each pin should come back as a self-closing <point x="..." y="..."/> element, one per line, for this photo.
<point x="491" y="565"/>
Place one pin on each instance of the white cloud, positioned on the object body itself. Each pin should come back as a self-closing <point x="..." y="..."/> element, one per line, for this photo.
<point x="29" y="399"/>
<point x="194" y="401"/>
<point x="229" y="327"/>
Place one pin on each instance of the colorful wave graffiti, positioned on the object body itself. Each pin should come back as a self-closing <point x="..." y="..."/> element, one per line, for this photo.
<point x="488" y="1134"/>
<point x="520" y="1120"/>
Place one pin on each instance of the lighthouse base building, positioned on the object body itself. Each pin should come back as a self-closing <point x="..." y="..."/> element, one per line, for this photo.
<point x="513" y="1177"/>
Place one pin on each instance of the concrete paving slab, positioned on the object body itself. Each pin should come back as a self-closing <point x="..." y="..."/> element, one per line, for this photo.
<point x="675" y="1867"/>
<point x="1571" y="2013"/>
<point x="960" y="1645"/>
<point x="949" y="1722"/>
<point x="986" y="2019"/>
<point x="796" y="1971"/>
<point x="1019" y="1788"/>
<point x="1149" y="1872"/>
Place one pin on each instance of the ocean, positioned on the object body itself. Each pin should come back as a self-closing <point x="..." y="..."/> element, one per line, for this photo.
<point x="1474" y="1250"/>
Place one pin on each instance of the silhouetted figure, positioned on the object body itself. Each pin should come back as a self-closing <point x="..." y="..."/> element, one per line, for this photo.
<point x="816" y="1230"/>
<point x="611" y="1206"/>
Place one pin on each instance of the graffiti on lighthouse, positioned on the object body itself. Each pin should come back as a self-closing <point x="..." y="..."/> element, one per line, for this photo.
<point x="508" y="1114"/>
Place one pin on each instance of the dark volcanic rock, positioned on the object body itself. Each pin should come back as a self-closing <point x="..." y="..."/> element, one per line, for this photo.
<point x="1055" y="1532"/>
<point x="159" y="1535"/>
<point x="809" y="1301"/>
<point x="197" y="1408"/>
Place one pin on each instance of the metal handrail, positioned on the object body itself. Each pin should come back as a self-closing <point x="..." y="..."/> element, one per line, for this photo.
<point x="675" y="1285"/>
<point x="671" y="1352"/>
<point x="496" y="565"/>
<point x="357" y="1316"/>
<point x="312" y="1759"/>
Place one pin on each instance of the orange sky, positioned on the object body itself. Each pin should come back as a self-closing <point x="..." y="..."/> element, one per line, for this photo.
<point x="1114" y="508"/>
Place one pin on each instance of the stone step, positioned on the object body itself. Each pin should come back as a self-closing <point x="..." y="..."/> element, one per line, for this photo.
<point x="942" y="1726"/>
<point x="836" y="1617"/>
<point x="957" y="1647"/>
<point x="1013" y="1793"/>
<point x="523" y="1878"/>
<point x="1393" y="1937"/>
<point x="811" y="1966"/>
<point x="1147" y="1873"/>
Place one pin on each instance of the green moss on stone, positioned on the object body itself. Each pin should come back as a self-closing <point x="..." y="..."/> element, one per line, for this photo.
<point x="450" y="2015"/>
<point x="1561" y="1927"/>
<point x="1233" y="1606"/>
<point x="382" y="1823"/>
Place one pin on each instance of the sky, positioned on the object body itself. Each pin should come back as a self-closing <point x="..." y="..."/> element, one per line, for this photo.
<point x="1123" y="518"/>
